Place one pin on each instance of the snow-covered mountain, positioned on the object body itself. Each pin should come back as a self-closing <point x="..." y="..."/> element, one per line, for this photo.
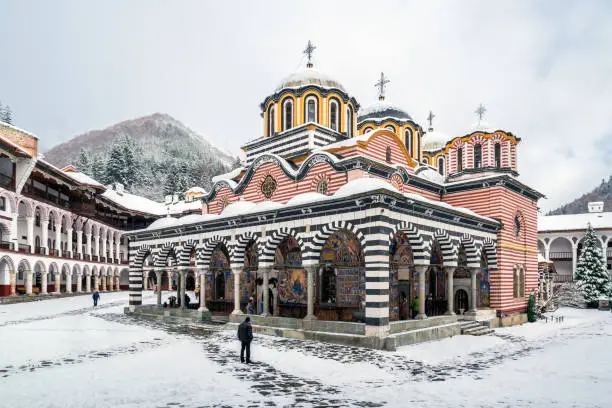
<point x="164" y="147"/>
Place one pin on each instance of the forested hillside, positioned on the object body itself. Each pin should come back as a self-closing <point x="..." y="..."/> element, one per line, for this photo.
<point x="603" y="192"/>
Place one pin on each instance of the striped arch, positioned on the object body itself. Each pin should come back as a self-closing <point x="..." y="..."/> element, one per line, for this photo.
<point x="490" y="251"/>
<point x="141" y="255"/>
<point x="238" y="251"/>
<point x="318" y="241"/>
<point x="209" y="246"/>
<point x="267" y="255"/>
<point x="183" y="255"/>
<point x="473" y="255"/>
<point x="418" y="245"/>
<point x="448" y="247"/>
<point x="163" y="254"/>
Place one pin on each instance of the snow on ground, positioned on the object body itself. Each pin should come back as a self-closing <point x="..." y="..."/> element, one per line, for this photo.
<point x="64" y="353"/>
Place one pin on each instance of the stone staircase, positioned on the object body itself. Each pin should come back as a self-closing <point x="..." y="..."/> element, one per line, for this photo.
<point x="475" y="328"/>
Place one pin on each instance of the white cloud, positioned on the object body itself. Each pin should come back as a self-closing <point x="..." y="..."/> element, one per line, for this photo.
<point x="541" y="68"/>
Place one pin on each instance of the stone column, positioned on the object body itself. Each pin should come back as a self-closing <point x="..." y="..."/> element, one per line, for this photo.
<point x="103" y="277"/>
<point x="69" y="242"/>
<point x="88" y="245"/>
<point x="69" y="282"/>
<point x="79" y="248"/>
<point x="28" y="282"/>
<point x="30" y="237"/>
<point x="265" y="292"/>
<point x="13" y="283"/>
<point x="109" y="283"/>
<point x="79" y="287"/>
<point x="96" y="283"/>
<point x="197" y="280"/>
<point x="158" y="276"/>
<point x="311" y="270"/>
<point x="450" y="295"/>
<point x="118" y="243"/>
<point x="103" y="254"/>
<point x="237" y="310"/>
<point x="574" y="259"/>
<point x="421" y="270"/>
<point x="96" y="246"/>
<point x="111" y="242"/>
<point x="58" y="238"/>
<point x="145" y="281"/>
<point x="43" y="283"/>
<point x="58" y="282"/>
<point x="44" y="227"/>
<point x="182" y="286"/>
<point x="474" y="275"/>
<point x="203" y="291"/>
<point x="87" y="283"/>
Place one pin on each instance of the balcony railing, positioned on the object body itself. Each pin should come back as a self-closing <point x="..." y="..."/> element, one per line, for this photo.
<point x="563" y="278"/>
<point x="95" y="258"/>
<point x="5" y="245"/>
<point x="559" y="256"/>
<point x="39" y="250"/>
<point x="54" y="252"/>
<point x="23" y="248"/>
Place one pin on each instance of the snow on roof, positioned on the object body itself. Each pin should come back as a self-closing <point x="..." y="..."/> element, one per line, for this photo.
<point x="348" y="142"/>
<point x="573" y="222"/>
<point x="193" y="218"/>
<point x="481" y="126"/>
<point x="267" y="206"/>
<point x="135" y="203"/>
<point x="237" y="208"/>
<point x="196" y="190"/>
<point x="182" y="206"/>
<point x="228" y="176"/>
<point x="309" y="76"/>
<point x="307" y="198"/>
<point x="380" y="110"/>
<point x="163" y="223"/>
<point x="83" y="178"/>
<point x="433" y="140"/>
<point x="429" y="173"/>
<point x="362" y="185"/>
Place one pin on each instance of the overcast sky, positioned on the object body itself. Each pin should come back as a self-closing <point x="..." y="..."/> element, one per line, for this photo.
<point x="543" y="69"/>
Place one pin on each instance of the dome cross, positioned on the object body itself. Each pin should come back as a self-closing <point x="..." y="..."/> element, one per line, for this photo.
<point x="309" y="50"/>
<point x="480" y="111"/>
<point x="430" y="119"/>
<point x="381" y="86"/>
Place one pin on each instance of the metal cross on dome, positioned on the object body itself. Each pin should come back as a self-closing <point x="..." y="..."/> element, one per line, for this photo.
<point x="381" y="85"/>
<point x="309" y="51"/>
<point x="430" y="119"/>
<point x="480" y="111"/>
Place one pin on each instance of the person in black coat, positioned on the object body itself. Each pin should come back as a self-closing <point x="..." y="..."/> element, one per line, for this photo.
<point x="96" y="297"/>
<point x="245" y="335"/>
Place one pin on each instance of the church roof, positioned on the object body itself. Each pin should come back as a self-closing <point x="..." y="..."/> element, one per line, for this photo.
<point x="309" y="76"/>
<point x="433" y="140"/>
<point x="382" y="110"/>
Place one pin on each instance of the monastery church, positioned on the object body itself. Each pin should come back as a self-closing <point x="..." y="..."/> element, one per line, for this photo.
<point x="354" y="221"/>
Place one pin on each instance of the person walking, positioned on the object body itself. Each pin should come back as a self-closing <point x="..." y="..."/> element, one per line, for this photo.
<point x="245" y="335"/>
<point x="96" y="297"/>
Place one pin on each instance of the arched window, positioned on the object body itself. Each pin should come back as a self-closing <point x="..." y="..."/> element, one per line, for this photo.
<point x="37" y="244"/>
<point x="334" y="120"/>
<point x="349" y="122"/>
<point x="322" y="186"/>
<point x="497" y="155"/>
<point x="478" y="156"/>
<point x="288" y="114"/>
<point x="391" y="128"/>
<point x="425" y="161"/>
<point x="366" y="130"/>
<point x="388" y="155"/>
<point x="441" y="165"/>
<point x="517" y="225"/>
<point x="271" y="121"/>
<point x="418" y="152"/>
<point x="408" y="140"/>
<point x="311" y="109"/>
<point x="460" y="159"/>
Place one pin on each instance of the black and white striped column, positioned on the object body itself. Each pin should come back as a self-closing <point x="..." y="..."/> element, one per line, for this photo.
<point x="376" y="253"/>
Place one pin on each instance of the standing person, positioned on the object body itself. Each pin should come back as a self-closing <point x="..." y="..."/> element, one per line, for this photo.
<point x="96" y="297"/>
<point x="250" y="307"/>
<point x="416" y="308"/>
<point x="245" y="335"/>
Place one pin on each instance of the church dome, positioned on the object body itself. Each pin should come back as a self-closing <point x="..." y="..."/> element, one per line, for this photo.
<point x="309" y="76"/>
<point x="433" y="141"/>
<point x="382" y="110"/>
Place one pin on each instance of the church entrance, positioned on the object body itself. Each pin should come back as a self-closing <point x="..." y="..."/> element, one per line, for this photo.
<point x="401" y="276"/>
<point x="461" y="301"/>
<point x="291" y="280"/>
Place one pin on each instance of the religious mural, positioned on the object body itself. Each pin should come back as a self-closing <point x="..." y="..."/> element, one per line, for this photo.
<point x="484" y="288"/>
<point x="291" y="277"/>
<point x="221" y="282"/>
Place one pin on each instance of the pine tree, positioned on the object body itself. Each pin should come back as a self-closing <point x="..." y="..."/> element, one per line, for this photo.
<point x="591" y="275"/>
<point x="531" y="309"/>
<point x="83" y="162"/>
<point x="8" y="115"/>
<point x="98" y="168"/>
<point x="115" y="165"/>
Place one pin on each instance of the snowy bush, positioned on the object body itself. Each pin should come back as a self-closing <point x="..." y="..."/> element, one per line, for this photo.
<point x="591" y="275"/>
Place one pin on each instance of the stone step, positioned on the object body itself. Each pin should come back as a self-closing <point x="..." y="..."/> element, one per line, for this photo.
<point x="478" y="331"/>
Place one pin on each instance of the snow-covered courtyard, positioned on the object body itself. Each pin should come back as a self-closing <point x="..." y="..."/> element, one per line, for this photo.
<point x="62" y="353"/>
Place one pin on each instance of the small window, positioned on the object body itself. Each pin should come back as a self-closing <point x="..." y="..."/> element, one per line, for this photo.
<point x="271" y="121"/>
<point x="20" y="275"/>
<point x="2" y="204"/>
<point x="288" y="116"/>
<point x="497" y="155"/>
<point x="408" y="140"/>
<point x="460" y="159"/>
<point x="311" y="110"/>
<point x="517" y="225"/>
<point x="391" y="128"/>
<point x="268" y="186"/>
<point x="37" y="219"/>
<point x="333" y="115"/>
<point x="441" y="165"/>
<point x="368" y="129"/>
<point x="322" y="186"/>
<point x="425" y="161"/>
<point x="388" y="155"/>
<point x="478" y="156"/>
<point x="349" y="122"/>
<point x="518" y="287"/>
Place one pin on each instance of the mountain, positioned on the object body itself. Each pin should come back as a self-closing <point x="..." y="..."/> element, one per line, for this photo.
<point x="153" y="156"/>
<point x="603" y="192"/>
